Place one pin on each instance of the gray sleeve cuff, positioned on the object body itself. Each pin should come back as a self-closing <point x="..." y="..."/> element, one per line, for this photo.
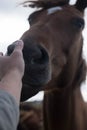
<point x="9" y="111"/>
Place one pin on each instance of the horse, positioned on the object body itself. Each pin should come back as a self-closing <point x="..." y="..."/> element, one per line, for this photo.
<point x="54" y="63"/>
<point x="30" y="116"/>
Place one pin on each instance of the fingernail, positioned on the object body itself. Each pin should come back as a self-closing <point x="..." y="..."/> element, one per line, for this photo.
<point x="18" y="42"/>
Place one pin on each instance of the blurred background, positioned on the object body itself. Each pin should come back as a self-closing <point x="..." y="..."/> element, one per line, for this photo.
<point x="13" y="23"/>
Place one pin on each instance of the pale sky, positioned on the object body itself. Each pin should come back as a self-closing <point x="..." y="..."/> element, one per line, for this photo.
<point x="13" y="23"/>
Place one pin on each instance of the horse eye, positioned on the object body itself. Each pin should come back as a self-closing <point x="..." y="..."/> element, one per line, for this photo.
<point x="78" y="23"/>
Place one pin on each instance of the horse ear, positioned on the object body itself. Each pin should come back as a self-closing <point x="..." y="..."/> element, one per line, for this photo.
<point x="81" y="5"/>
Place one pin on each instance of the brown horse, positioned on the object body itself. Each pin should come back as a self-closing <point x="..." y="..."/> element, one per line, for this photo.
<point x="30" y="116"/>
<point x="53" y="62"/>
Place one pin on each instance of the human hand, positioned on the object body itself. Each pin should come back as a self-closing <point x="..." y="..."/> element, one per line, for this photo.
<point x="12" y="70"/>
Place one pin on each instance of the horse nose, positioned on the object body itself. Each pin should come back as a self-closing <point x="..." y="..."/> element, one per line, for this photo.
<point x="10" y="49"/>
<point x="36" y="55"/>
<point x="37" y="66"/>
<point x="33" y="54"/>
<point x="36" y="63"/>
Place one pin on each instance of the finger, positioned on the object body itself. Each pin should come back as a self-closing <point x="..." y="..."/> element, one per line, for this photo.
<point x="18" y="48"/>
<point x="1" y="54"/>
<point x="19" y="45"/>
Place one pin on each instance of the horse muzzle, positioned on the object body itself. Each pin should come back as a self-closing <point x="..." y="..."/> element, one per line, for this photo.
<point x="37" y="68"/>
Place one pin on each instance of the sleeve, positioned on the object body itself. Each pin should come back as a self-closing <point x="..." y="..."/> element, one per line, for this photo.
<point x="9" y="111"/>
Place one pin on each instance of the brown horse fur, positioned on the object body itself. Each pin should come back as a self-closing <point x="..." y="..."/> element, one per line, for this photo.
<point x="53" y="61"/>
<point x="30" y="116"/>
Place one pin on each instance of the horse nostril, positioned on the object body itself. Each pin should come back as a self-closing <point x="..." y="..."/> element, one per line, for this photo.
<point x="10" y="49"/>
<point x="44" y="58"/>
<point x="32" y="61"/>
<point x="33" y="54"/>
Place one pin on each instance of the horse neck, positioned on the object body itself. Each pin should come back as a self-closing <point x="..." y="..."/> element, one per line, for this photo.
<point x="63" y="111"/>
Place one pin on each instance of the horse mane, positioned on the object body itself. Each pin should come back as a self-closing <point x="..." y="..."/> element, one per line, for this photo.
<point x="44" y="4"/>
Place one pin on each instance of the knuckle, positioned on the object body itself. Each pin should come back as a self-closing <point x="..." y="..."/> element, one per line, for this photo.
<point x="17" y="54"/>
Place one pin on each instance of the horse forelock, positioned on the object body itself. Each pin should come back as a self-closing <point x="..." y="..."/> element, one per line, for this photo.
<point x="43" y="4"/>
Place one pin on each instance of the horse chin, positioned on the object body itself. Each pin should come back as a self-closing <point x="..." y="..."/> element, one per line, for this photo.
<point x="33" y="84"/>
<point x="28" y="91"/>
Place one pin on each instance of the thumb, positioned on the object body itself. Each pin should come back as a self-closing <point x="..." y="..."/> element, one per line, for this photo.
<point x="19" y="45"/>
<point x="18" y="48"/>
